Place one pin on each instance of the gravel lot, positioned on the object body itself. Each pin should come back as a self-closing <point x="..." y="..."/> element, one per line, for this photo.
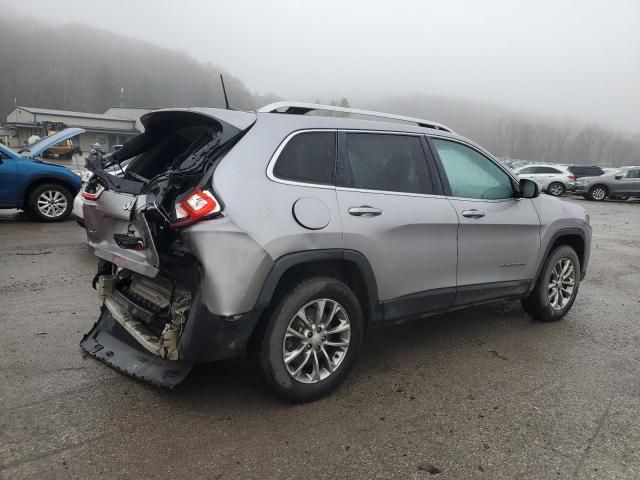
<point x="481" y="393"/>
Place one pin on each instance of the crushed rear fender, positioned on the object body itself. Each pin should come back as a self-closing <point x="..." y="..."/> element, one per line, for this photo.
<point x="112" y="344"/>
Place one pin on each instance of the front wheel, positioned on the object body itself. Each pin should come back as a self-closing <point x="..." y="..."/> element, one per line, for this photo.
<point x="556" y="288"/>
<point x="598" y="193"/>
<point x="556" y="189"/>
<point x="311" y="339"/>
<point x="50" y="202"/>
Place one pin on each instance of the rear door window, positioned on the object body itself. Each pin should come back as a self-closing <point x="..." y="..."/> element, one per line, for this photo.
<point x="385" y="162"/>
<point x="308" y="157"/>
<point x="548" y="170"/>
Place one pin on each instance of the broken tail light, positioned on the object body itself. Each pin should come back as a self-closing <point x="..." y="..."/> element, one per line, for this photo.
<point x="571" y="177"/>
<point x="198" y="205"/>
<point x="92" y="192"/>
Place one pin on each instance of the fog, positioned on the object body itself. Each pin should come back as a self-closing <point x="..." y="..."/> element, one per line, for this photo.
<point x="579" y="59"/>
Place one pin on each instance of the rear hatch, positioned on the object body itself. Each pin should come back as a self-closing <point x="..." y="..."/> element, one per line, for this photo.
<point x="131" y="217"/>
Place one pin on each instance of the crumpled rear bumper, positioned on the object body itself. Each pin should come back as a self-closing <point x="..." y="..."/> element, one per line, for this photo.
<point x="110" y="343"/>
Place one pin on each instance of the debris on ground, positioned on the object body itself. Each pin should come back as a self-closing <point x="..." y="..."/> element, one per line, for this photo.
<point x="427" y="467"/>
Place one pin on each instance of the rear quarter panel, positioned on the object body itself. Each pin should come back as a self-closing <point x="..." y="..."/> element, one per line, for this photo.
<point x="261" y="207"/>
<point x="258" y="225"/>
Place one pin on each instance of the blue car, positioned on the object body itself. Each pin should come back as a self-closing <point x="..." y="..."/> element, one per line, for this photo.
<point x="45" y="190"/>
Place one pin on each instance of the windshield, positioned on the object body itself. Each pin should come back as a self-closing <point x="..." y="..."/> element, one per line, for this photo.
<point x="5" y="152"/>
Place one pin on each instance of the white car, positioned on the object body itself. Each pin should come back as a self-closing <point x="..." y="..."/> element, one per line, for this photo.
<point x="78" y="202"/>
<point x="552" y="179"/>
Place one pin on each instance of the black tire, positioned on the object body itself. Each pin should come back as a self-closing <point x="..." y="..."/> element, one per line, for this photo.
<point x="598" y="193"/>
<point x="557" y="187"/>
<point x="537" y="304"/>
<point x="34" y="196"/>
<point x="269" y="354"/>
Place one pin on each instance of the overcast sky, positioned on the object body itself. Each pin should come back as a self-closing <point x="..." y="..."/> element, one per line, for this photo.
<point x="572" y="58"/>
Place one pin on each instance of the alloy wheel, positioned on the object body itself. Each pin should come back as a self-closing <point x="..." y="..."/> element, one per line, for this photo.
<point x="598" y="193"/>
<point x="561" y="284"/>
<point x="316" y="340"/>
<point x="52" y="203"/>
<point x="556" y="189"/>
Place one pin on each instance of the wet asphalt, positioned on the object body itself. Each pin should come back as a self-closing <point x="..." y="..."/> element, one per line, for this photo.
<point x="480" y="393"/>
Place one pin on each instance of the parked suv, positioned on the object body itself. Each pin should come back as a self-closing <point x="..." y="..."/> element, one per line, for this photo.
<point x="580" y="171"/>
<point x="620" y="184"/>
<point x="45" y="190"/>
<point x="552" y="179"/>
<point x="286" y="236"/>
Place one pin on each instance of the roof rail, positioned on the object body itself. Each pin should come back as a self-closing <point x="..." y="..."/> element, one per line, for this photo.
<point x="300" y="108"/>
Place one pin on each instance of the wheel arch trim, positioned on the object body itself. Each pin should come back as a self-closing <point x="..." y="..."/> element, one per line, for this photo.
<point x="288" y="261"/>
<point x="563" y="232"/>
<point x="38" y="180"/>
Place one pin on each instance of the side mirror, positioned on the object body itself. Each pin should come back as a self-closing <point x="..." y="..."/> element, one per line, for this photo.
<point x="618" y="177"/>
<point x="528" y="188"/>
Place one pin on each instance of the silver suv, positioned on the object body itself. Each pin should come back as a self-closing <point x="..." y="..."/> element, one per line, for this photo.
<point x="286" y="236"/>
<point x="620" y="184"/>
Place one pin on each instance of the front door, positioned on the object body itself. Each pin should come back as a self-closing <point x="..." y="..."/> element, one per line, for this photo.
<point x="8" y="181"/>
<point x="499" y="235"/>
<point x="394" y="213"/>
<point x="629" y="184"/>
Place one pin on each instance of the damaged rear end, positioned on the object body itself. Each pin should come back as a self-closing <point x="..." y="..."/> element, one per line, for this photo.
<point x="147" y="277"/>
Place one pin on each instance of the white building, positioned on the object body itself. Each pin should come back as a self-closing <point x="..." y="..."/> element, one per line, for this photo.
<point x="105" y="129"/>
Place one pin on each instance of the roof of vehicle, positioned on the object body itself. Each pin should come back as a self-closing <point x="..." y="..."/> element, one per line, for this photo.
<point x="292" y="123"/>
<point x="551" y="165"/>
<point x="302" y="108"/>
<point x="300" y="121"/>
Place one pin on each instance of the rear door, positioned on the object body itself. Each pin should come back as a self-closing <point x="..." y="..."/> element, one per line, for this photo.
<point x="627" y="185"/>
<point x="530" y="173"/>
<point x="499" y="235"/>
<point x="393" y="211"/>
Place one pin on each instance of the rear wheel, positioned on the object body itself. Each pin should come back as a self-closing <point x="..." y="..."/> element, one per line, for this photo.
<point x="598" y="193"/>
<point x="50" y="202"/>
<point x="556" y="288"/>
<point x="556" y="189"/>
<point x="311" y="339"/>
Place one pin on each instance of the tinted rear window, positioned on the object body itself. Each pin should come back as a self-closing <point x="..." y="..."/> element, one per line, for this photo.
<point x="586" y="171"/>
<point x="394" y="163"/>
<point x="308" y="157"/>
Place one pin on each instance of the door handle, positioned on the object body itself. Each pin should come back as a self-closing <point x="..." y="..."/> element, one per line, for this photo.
<point x="364" y="211"/>
<point x="473" y="213"/>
